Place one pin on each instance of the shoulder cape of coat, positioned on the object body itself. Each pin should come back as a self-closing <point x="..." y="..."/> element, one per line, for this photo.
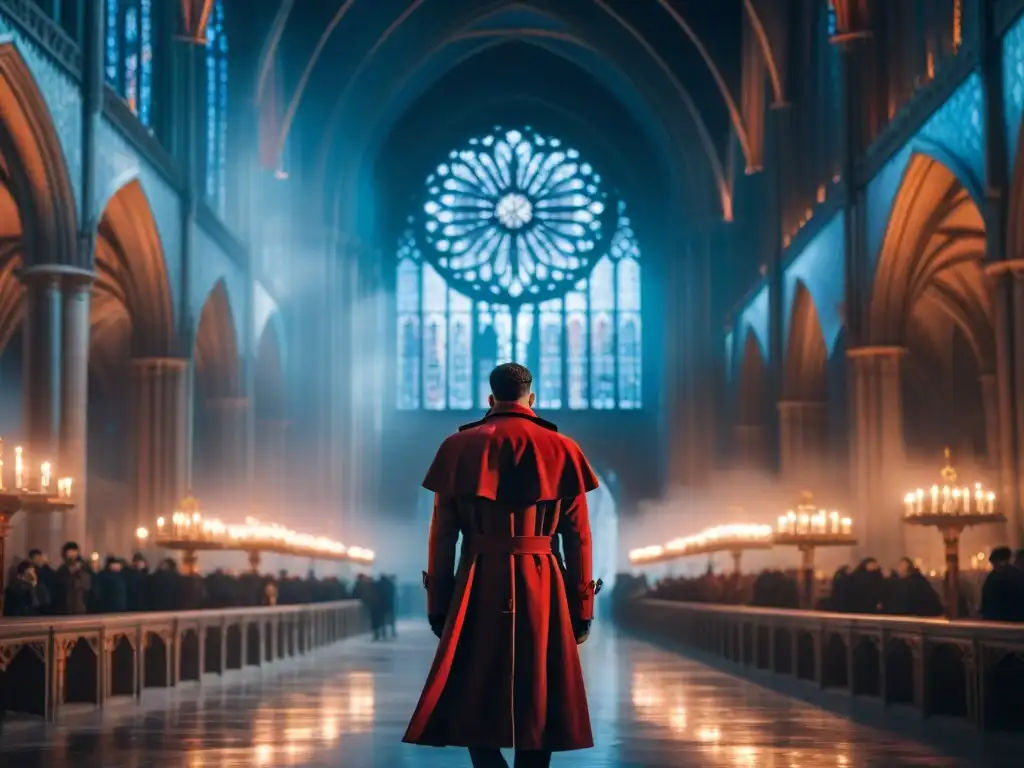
<point x="510" y="456"/>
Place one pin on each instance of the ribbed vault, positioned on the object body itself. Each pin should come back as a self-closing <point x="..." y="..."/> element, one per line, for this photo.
<point x="806" y="368"/>
<point x="380" y="57"/>
<point x="217" y="361"/>
<point x="929" y="276"/>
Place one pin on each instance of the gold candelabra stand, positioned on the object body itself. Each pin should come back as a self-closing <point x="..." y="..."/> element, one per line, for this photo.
<point x="190" y="533"/>
<point x="951" y="507"/>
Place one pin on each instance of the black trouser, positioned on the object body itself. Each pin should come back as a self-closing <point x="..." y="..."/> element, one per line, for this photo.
<point x="491" y="758"/>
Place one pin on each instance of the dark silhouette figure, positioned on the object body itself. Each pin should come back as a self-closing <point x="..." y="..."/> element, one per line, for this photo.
<point x="1002" y="594"/>
<point x="113" y="589"/>
<point x="21" y="597"/>
<point x="909" y="593"/>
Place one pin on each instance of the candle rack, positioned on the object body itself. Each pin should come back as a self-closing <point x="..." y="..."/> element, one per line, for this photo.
<point x="951" y="508"/>
<point x="808" y="528"/>
<point x="31" y="503"/>
<point x="191" y="533"/>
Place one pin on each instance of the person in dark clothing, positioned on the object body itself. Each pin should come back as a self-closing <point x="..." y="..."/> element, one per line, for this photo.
<point x="366" y="592"/>
<point x="165" y="587"/>
<point x="864" y="589"/>
<point x="136" y="581"/>
<point x="21" y="597"/>
<point x="46" y="579"/>
<point x="386" y="587"/>
<point x="113" y="589"/>
<point x="1002" y="594"/>
<point x="909" y="593"/>
<point x="73" y="583"/>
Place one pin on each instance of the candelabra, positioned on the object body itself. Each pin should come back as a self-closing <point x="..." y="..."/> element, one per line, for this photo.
<point x="734" y="539"/>
<point x="28" y="497"/>
<point x="807" y="527"/>
<point x="190" y="532"/>
<point x="950" y="507"/>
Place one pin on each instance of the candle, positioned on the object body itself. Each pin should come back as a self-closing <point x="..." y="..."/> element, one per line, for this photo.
<point x="782" y="523"/>
<point x="991" y="503"/>
<point x="44" y="475"/>
<point x="908" y="501"/>
<point x="945" y="500"/>
<point x="920" y="500"/>
<point x="935" y="499"/>
<point x="847" y="524"/>
<point x="19" y="468"/>
<point x="835" y="521"/>
<point x="965" y="494"/>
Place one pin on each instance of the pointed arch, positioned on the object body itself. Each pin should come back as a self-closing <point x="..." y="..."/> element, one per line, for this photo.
<point x="131" y="309"/>
<point x="269" y="388"/>
<point x="217" y="361"/>
<point x="33" y="164"/>
<point x="805" y="371"/>
<point x="929" y="273"/>
<point x="752" y="379"/>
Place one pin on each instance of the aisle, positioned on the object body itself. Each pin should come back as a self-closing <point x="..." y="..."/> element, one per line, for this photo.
<point x="349" y="706"/>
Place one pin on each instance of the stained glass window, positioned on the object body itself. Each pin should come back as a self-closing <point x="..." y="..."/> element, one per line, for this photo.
<point x="216" y="108"/>
<point x="128" y="59"/>
<point x="518" y="255"/>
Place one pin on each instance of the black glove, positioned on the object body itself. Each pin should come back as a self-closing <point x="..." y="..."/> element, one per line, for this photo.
<point x="437" y="624"/>
<point x="581" y="629"/>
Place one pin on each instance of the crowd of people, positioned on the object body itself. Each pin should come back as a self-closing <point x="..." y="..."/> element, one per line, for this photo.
<point x="867" y="588"/>
<point x="78" y="586"/>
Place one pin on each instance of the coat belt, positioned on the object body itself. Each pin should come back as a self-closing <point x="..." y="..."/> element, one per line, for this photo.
<point x="510" y="545"/>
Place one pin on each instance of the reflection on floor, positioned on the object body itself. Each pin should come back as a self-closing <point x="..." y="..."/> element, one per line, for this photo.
<point x="348" y="707"/>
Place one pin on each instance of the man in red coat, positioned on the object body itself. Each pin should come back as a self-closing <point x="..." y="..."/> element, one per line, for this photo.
<point x="507" y="671"/>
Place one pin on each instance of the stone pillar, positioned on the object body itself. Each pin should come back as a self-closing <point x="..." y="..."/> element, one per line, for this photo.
<point x="42" y="391"/>
<point x="74" y="408"/>
<point x="751" y="442"/>
<point x="802" y="443"/>
<point x="271" y="460"/>
<point x="877" y="453"/>
<point x="990" y="406"/>
<point x="160" y="425"/>
<point x="1008" y="320"/>
<point x="229" y="421"/>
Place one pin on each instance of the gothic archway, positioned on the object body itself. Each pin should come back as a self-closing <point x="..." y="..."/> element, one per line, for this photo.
<point x="751" y="405"/>
<point x="131" y="316"/>
<point x="221" y="412"/>
<point x="37" y="210"/>
<point x="930" y="297"/>
<point x="803" y="409"/>
<point x="270" y="412"/>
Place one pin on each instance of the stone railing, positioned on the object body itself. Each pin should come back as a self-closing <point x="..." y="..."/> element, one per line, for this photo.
<point x="969" y="670"/>
<point x="49" y="663"/>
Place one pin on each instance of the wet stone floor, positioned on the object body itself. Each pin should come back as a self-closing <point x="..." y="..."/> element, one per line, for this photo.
<point x="349" y="705"/>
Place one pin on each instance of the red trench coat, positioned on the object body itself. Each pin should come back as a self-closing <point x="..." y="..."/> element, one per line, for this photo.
<point x="507" y="671"/>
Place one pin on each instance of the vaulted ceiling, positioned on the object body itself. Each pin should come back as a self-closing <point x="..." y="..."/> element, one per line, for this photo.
<point x="656" y="82"/>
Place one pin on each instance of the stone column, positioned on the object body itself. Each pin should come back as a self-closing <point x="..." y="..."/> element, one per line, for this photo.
<point x="75" y="401"/>
<point x="802" y="444"/>
<point x="877" y="453"/>
<point x="751" y="442"/>
<point x="41" y="392"/>
<point x="990" y="405"/>
<point x="271" y="459"/>
<point x="160" y="425"/>
<point x="229" y="421"/>
<point x="1008" y="320"/>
